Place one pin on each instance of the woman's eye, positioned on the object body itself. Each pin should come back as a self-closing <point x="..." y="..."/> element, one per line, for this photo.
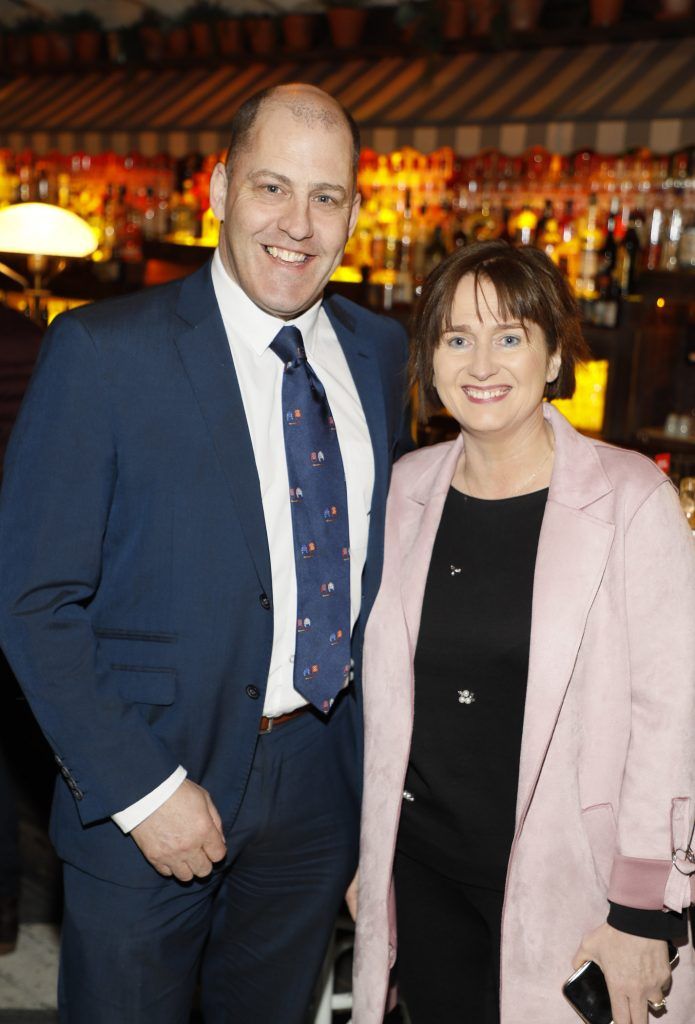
<point x="456" y="342"/>
<point x="510" y="340"/>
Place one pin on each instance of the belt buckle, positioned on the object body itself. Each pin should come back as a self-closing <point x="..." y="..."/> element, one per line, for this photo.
<point x="269" y="727"/>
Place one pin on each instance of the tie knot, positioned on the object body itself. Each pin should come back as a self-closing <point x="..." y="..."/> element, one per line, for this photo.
<point x="288" y="345"/>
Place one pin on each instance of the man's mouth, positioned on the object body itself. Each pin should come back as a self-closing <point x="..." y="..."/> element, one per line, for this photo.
<point x="286" y="255"/>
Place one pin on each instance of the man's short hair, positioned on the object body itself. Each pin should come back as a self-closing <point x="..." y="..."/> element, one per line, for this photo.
<point x="244" y="120"/>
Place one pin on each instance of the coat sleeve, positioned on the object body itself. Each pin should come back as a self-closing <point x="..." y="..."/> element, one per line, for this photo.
<point x="657" y="798"/>
<point x="60" y="476"/>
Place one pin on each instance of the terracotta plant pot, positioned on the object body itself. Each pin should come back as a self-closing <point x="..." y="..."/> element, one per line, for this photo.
<point x="454" y="19"/>
<point x="523" y="14"/>
<point x="87" y="46"/>
<point x="346" y="25"/>
<point x="606" y="12"/>
<point x="201" y="38"/>
<point x="298" y="31"/>
<point x="152" y="42"/>
<point x="676" y="8"/>
<point x="230" y="36"/>
<point x="61" y="50"/>
<point x="177" y="43"/>
<point x="481" y="14"/>
<point x="39" y="49"/>
<point x="261" y="35"/>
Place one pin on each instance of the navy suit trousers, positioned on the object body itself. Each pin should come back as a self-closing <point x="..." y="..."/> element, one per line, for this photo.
<point x="255" y="933"/>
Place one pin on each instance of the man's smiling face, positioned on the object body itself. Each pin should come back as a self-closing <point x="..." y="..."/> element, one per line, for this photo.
<point x="288" y="205"/>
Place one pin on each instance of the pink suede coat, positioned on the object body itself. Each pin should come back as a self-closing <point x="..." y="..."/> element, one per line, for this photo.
<point x="607" y="773"/>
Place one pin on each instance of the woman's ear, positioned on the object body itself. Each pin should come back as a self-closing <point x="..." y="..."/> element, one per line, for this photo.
<point x="554" y="364"/>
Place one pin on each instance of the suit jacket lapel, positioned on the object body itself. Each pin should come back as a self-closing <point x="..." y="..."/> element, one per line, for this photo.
<point x="204" y="350"/>
<point x="572" y="553"/>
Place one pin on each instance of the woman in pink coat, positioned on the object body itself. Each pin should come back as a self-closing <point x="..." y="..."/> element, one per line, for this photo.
<point x="529" y="686"/>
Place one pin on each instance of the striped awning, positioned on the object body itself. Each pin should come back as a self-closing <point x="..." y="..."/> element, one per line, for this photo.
<point x="607" y="97"/>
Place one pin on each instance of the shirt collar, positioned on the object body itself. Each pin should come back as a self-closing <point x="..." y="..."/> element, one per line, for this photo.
<point x="247" y="322"/>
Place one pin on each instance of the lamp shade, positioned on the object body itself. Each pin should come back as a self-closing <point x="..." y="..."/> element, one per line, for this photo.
<point x="41" y="229"/>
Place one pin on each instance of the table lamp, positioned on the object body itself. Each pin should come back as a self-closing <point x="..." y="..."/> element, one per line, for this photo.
<point x="40" y="231"/>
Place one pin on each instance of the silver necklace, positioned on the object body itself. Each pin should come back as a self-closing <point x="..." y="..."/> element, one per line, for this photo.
<point x="528" y="479"/>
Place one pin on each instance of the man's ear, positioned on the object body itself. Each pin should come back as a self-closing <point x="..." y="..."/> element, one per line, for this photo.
<point x="218" y="190"/>
<point x="354" y="210"/>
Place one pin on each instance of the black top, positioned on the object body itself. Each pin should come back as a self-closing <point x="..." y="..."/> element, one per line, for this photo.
<point x="471" y="666"/>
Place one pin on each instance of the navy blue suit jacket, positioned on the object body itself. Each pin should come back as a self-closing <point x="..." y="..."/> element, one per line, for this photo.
<point x="135" y="584"/>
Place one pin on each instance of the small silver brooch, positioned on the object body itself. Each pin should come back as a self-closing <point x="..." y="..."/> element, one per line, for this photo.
<point x="453" y="570"/>
<point x="407" y="795"/>
<point x="466" y="697"/>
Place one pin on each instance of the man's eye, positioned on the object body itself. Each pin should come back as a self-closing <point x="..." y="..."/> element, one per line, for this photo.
<point x="324" y="200"/>
<point x="273" y="190"/>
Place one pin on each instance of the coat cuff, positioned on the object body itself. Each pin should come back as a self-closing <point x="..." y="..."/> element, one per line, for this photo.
<point x="642" y="884"/>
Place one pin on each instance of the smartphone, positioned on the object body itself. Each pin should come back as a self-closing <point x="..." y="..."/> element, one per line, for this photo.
<point x="587" y="993"/>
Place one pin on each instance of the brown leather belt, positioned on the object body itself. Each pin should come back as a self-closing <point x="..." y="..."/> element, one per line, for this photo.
<point x="268" y="724"/>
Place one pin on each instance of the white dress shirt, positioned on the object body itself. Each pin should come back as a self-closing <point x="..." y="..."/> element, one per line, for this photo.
<point x="259" y="371"/>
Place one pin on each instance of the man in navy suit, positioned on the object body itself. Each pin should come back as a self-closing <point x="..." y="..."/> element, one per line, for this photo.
<point x="207" y="815"/>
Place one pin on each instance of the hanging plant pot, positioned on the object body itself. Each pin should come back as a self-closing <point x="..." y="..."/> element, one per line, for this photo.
<point x="523" y="14"/>
<point x="59" y="45"/>
<point x="39" y="49"/>
<point x="454" y="17"/>
<point x="230" y="36"/>
<point x="298" y="30"/>
<point x="481" y="16"/>
<point x="201" y="38"/>
<point x="177" y="42"/>
<point x="261" y="35"/>
<point x="676" y="8"/>
<point x="152" y="42"/>
<point x="87" y="46"/>
<point x="606" y="12"/>
<point x="346" y="25"/>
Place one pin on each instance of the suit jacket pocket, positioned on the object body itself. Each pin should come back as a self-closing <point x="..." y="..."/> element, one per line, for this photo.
<point x="601" y="831"/>
<point x="142" y="684"/>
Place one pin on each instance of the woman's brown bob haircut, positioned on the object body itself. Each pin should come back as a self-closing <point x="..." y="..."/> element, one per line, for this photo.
<point x="529" y="289"/>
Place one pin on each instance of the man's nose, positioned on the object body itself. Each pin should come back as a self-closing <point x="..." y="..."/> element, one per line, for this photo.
<point x="296" y="218"/>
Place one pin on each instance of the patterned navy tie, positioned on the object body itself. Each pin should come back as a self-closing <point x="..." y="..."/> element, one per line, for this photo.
<point x="318" y="500"/>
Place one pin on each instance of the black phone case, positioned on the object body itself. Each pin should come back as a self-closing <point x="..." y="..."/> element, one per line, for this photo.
<point x="586" y="991"/>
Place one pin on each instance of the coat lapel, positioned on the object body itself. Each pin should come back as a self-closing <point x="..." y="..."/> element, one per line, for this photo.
<point x="417" y="529"/>
<point x="204" y="351"/>
<point x="572" y="553"/>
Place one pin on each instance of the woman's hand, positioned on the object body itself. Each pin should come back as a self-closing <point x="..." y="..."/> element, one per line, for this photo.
<point x="636" y="970"/>
<point x="351" y="896"/>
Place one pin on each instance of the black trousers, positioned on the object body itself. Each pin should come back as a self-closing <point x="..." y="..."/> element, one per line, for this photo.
<point x="257" y="930"/>
<point x="448" y="965"/>
<point x="9" y="844"/>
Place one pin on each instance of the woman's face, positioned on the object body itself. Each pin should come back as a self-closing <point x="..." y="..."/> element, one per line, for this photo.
<point x="488" y="372"/>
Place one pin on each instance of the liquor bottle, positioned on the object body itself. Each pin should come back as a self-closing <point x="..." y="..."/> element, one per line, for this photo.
<point x="548" y="236"/>
<point x="609" y="251"/>
<point x="672" y="238"/>
<point x="652" y="256"/>
<point x="524" y="226"/>
<point x="628" y="258"/>
<point x="566" y="254"/>
<point x="590" y="241"/>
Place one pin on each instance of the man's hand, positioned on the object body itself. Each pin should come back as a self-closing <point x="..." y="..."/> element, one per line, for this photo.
<point x="636" y="970"/>
<point x="184" y="836"/>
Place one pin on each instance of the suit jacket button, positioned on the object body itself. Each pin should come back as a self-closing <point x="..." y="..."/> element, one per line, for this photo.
<point x="253" y="692"/>
<point x="265" y="601"/>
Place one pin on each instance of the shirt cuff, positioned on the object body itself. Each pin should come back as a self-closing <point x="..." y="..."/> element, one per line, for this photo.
<point x="650" y="924"/>
<point x="129" y="817"/>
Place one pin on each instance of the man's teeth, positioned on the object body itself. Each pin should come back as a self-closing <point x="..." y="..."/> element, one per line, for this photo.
<point x="487" y="393"/>
<point x="285" y="254"/>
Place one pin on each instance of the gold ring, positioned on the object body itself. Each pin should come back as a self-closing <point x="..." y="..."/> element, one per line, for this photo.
<point x="657" y="1006"/>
